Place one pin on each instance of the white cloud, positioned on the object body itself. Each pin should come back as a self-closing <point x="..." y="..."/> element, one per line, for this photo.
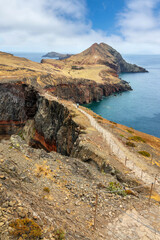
<point x="40" y="24"/>
<point x="140" y="26"/>
<point x="60" y="25"/>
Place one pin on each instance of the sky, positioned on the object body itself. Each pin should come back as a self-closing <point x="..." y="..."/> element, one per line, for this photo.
<point x="71" y="26"/>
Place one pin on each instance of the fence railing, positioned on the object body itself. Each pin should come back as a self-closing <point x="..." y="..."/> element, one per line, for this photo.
<point x="122" y="153"/>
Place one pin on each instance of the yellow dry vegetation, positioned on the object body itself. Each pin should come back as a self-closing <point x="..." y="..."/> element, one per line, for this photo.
<point x="15" y="68"/>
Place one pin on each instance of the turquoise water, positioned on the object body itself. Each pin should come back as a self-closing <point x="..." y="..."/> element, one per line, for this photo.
<point x="140" y="108"/>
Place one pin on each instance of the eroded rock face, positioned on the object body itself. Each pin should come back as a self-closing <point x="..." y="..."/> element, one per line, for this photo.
<point x="86" y="91"/>
<point x="17" y="104"/>
<point x="53" y="127"/>
<point x="48" y="124"/>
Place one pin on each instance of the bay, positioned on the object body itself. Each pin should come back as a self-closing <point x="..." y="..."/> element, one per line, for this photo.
<point x="140" y="108"/>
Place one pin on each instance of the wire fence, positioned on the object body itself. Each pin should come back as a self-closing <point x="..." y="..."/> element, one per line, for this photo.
<point x="132" y="216"/>
<point x="122" y="153"/>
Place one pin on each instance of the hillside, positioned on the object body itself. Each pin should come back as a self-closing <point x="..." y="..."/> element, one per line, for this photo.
<point x="103" y="54"/>
<point x="61" y="172"/>
<point x="65" y="172"/>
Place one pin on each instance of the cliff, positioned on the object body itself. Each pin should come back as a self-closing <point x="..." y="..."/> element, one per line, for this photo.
<point x="57" y="166"/>
<point x="82" y="78"/>
<point x="103" y="54"/>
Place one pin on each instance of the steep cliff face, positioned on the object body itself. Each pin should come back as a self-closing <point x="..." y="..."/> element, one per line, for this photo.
<point x="120" y="64"/>
<point x="52" y="128"/>
<point x="48" y="124"/>
<point x="17" y="104"/>
<point x="86" y="91"/>
<point x="104" y="54"/>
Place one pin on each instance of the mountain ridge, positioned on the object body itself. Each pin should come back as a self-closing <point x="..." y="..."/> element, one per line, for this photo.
<point x="106" y="55"/>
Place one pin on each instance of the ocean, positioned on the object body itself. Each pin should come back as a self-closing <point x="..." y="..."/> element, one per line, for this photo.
<point x="36" y="57"/>
<point x="140" y="108"/>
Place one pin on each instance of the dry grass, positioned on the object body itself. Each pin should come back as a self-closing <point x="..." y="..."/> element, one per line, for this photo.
<point x="25" y="228"/>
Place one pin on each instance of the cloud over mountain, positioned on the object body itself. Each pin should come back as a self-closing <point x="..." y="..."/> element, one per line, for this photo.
<point x="62" y="25"/>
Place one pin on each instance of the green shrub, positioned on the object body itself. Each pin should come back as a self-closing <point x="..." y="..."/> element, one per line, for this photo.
<point x="25" y="228"/>
<point x="129" y="131"/>
<point x="144" y="153"/>
<point x="116" y="188"/>
<point x="130" y="144"/>
<point x="46" y="189"/>
<point x="137" y="139"/>
<point x="59" y="234"/>
<point x="21" y="134"/>
<point x="121" y="135"/>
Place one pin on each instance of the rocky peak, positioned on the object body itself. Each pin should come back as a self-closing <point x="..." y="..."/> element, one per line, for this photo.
<point x="106" y="55"/>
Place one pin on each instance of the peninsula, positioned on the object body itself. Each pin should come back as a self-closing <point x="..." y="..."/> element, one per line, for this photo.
<point x="57" y="55"/>
<point x="65" y="172"/>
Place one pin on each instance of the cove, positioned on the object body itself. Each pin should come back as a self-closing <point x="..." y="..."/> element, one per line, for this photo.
<point x="140" y="108"/>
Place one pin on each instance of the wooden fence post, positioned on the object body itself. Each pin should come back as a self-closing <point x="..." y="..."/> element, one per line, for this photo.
<point x="95" y="213"/>
<point x="126" y="161"/>
<point x="150" y="195"/>
<point x="155" y="180"/>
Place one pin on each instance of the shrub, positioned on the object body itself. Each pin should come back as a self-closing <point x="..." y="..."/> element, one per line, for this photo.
<point x="121" y="135"/>
<point x="46" y="189"/>
<point x="25" y="228"/>
<point x="77" y="67"/>
<point x="113" y="122"/>
<point x="144" y="153"/>
<point x="129" y="131"/>
<point x="59" y="234"/>
<point x="21" y="134"/>
<point x="116" y="188"/>
<point x="137" y="139"/>
<point x="130" y="144"/>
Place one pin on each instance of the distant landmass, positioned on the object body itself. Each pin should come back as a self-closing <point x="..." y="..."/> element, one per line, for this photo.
<point x="82" y="78"/>
<point x="57" y="55"/>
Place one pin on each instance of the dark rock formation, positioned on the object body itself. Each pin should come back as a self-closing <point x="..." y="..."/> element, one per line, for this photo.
<point x="57" y="55"/>
<point x="17" y="104"/>
<point x="59" y="131"/>
<point x="121" y="65"/>
<point x="48" y="124"/>
<point x="106" y="55"/>
<point x="86" y="91"/>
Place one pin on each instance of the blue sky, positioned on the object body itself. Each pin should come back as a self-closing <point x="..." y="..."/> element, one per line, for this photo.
<point x="103" y="14"/>
<point x="130" y="26"/>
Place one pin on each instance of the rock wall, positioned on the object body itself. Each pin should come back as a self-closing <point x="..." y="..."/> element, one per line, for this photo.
<point x="86" y="92"/>
<point x="17" y="104"/>
<point x="47" y="124"/>
<point x="52" y="128"/>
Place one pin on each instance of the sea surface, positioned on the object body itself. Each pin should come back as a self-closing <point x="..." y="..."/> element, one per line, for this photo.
<point x="36" y="57"/>
<point x="140" y="108"/>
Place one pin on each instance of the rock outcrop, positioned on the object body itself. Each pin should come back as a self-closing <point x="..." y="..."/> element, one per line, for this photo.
<point x="121" y="65"/>
<point x="22" y="105"/>
<point x="82" y="78"/>
<point x="83" y="91"/>
<point x="57" y="55"/>
<point x="104" y="54"/>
